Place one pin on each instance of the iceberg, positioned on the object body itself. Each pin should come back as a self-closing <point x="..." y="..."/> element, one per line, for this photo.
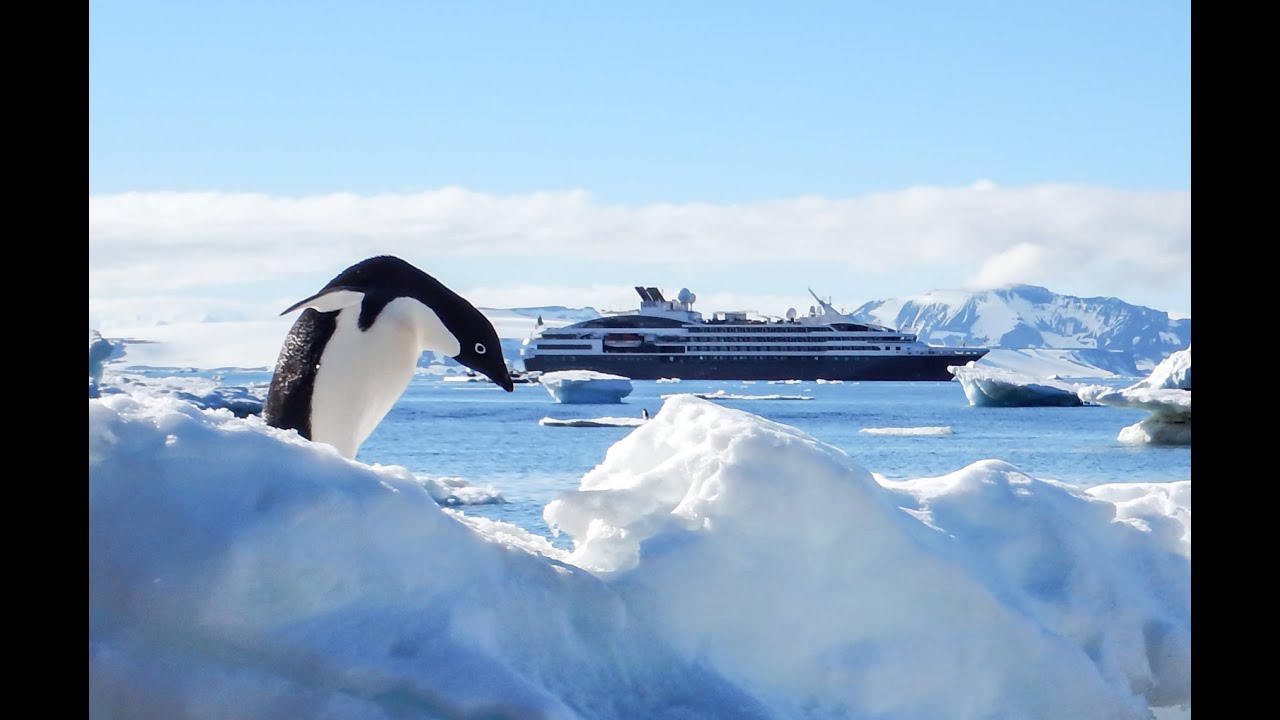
<point x="724" y="566"/>
<point x="1165" y="394"/>
<point x="585" y="387"/>
<point x="999" y="387"/>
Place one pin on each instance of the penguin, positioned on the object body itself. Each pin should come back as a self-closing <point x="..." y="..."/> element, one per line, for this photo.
<point x="352" y="352"/>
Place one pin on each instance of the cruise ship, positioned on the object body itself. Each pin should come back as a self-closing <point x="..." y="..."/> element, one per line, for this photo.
<point x="669" y="339"/>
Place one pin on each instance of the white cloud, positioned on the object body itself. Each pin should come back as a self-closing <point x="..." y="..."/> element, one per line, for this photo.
<point x="1011" y="266"/>
<point x="1070" y="238"/>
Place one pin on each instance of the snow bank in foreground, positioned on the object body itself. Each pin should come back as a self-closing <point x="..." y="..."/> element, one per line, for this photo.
<point x="746" y="570"/>
<point x="1166" y="394"/>
<point x="780" y="562"/>
<point x="238" y="571"/>
<point x="585" y="386"/>
<point x="997" y="387"/>
<point x="938" y="430"/>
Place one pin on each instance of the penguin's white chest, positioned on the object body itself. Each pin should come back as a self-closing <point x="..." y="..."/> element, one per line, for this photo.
<point x="363" y="372"/>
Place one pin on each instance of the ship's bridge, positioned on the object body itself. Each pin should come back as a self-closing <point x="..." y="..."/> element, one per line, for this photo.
<point x="653" y="304"/>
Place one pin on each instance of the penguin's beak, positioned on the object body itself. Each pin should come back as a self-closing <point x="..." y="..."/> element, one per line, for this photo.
<point x="504" y="380"/>
<point x="501" y="376"/>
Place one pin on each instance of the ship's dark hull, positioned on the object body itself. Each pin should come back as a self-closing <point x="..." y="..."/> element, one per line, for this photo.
<point x="652" y="367"/>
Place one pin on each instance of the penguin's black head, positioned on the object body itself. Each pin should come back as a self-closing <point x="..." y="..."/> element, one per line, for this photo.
<point x="449" y="324"/>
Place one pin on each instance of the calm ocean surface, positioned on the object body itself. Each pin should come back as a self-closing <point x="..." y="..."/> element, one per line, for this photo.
<point x="488" y="437"/>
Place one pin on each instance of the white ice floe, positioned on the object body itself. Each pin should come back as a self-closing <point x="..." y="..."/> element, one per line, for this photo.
<point x="722" y="395"/>
<point x="668" y="380"/>
<point x="1166" y="394"/>
<point x="924" y="430"/>
<point x="742" y="570"/>
<point x="998" y="387"/>
<point x="592" y="422"/>
<point x="585" y="386"/>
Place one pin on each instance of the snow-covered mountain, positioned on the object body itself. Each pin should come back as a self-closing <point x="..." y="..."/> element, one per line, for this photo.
<point x="1027" y="316"/>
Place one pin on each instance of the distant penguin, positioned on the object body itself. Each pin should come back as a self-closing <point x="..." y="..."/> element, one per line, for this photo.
<point x="352" y="352"/>
<point x="644" y="414"/>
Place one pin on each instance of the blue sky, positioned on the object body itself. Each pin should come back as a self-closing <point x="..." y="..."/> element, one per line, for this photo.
<point x="728" y="107"/>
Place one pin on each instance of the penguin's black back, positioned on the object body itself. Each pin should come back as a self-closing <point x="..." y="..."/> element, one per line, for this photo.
<point x="386" y="277"/>
<point x="288" y="404"/>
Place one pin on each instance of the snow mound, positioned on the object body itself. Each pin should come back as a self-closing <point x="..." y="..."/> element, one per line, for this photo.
<point x="776" y="559"/>
<point x="742" y="570"/>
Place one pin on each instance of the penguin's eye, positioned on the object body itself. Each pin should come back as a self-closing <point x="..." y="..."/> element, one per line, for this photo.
<point x="480" y="348"/>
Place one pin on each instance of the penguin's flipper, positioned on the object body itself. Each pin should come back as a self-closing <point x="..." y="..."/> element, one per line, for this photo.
<point x="329" y="300"/>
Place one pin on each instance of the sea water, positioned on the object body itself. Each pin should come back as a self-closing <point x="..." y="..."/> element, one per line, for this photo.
<point x="477" y="432"/>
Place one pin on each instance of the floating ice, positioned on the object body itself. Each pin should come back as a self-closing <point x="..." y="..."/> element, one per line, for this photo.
<point x="926" y="430"/>
<point x="1166" y="394"/>
<point x="592" y="422"/>
<point x="585" y="386"/>
<point x="997" y="387"/>
<point x="722" y="395"/>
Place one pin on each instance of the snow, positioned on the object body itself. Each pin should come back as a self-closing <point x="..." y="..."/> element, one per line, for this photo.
<point x="983" y="593"/>
<point x="926" y="430"/>
<point x="585" y="386"/>
<point x="101" y="351"/>
<point x="208" y="393"/>
<point x="740" y="569"/>
<point x="1174" y="372"/>
<point x="449" y="490"/>
<point x="996" y="387"/>
<point x="1047" y="363"/>
<point x="1166" y="394"/>
<point x="995" y="317"/>
<point x="592" y="422"/>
